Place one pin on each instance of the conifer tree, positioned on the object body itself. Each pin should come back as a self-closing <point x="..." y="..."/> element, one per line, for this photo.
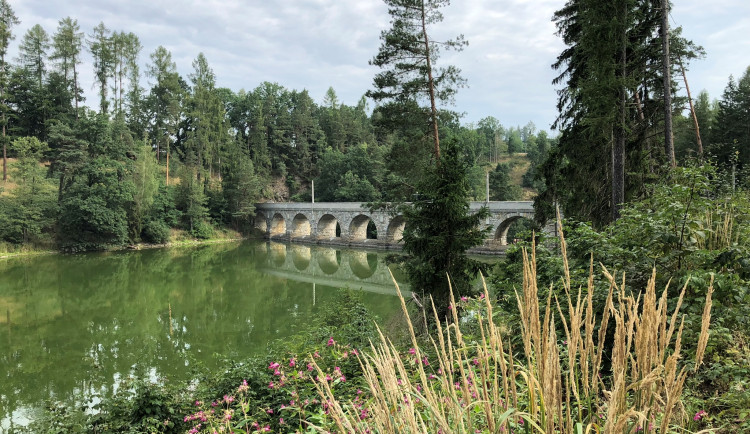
<point x="440" y="229"/>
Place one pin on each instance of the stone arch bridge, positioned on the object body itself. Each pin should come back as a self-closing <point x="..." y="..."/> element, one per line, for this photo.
<point x="346" y="223"/>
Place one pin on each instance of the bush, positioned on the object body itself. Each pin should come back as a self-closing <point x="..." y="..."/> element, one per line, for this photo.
<point x="202" y="230"/>
<point x="155" y="232"/>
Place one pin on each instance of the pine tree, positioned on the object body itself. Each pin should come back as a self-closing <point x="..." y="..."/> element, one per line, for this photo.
<point x="408" y="55"/>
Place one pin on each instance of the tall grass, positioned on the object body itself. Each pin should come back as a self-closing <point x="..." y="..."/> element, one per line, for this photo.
<point x="614" y="371"/>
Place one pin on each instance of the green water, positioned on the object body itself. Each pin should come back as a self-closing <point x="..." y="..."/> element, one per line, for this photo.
<point x="71" y="326"/>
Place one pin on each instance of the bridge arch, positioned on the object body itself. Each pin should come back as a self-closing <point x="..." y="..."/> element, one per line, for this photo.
<point x="301" y="226"/>
<point x="261" y="222"/>
<point x="501" y="234"/>
<point x="278" y="225"/>
<point x="395" y="232"/>
<point x="358" y="227"/>
<point x="328" y="226"/>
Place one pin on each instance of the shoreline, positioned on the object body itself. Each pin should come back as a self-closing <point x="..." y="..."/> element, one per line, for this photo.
<point x="139" y="246"/>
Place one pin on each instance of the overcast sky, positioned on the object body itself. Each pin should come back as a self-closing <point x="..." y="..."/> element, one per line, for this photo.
<point x="317" y="44"/>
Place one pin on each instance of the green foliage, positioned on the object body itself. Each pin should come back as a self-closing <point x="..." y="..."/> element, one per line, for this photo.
<point x="501" y="186"/>
<point x="145" y="178"/>
<point x="352" y="176"/>
<point x="190" y="197"/>
<point x="30" y="208"/>
<point x="440" y="230"/>
<point x="93" y="211"/>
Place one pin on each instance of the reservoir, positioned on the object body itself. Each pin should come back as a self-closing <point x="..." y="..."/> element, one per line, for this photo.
<point x="73" y="326"/>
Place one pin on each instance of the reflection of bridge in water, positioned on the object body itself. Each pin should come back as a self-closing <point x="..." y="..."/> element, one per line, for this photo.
<point x="356" y="269"/>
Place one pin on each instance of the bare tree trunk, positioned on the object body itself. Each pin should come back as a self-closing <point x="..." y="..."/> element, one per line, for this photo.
<point x="692" y="112"/>
<point x="431" y="85"/>
<point x="666" y="71"/>
<point x="618" y="143"/>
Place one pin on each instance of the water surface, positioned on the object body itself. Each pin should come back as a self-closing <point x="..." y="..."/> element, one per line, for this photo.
<point x="71" y="326"/>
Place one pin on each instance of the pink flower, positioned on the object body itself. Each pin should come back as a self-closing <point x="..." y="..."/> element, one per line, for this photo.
<point x="475" y="361"/>
<point x="273" y="365"/>
<point x="412" y="351"/>
<point x="292" y="363"/>
<point x="331" y="342"/>
<point x="481" y="296"/>
<point x="310" y="367"/>
<point x="700" y="415"/>
<point x="464" y="298"/>
<point x="198" y="403"/>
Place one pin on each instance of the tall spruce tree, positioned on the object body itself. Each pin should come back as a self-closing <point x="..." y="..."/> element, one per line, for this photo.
<point x="440" y="229"/>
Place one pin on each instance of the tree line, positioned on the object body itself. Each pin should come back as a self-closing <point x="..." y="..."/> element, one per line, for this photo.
<point x="159" y="151"/>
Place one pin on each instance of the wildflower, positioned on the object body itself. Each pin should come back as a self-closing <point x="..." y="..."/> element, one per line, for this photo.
<point x="343" y="379"/>
<point x="481" y="296"/>
<point x="464" y="298"/>
<point x="277" y="372"/>
<point x="269" y="411"/>
<point x="475" y="361"/>
<point x="424" y="361"/>
<point x="292" y="362"/>
<point x="412" y="351"/>
<point x="355" y="352"/>
<point x="273" y="365"/>
<point x="271" y="385"/>
<point x="266" y="428"/>
<point x="198" y="403"/>
<point x="316" y="355"/>
<point x="281" y="421"/>
<point x="699" y="415"/>
<point x="331" y="342"/>
<point x="310" y="367"/>
<point x="243" y="387"/>
<point x="228" y="399"/>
